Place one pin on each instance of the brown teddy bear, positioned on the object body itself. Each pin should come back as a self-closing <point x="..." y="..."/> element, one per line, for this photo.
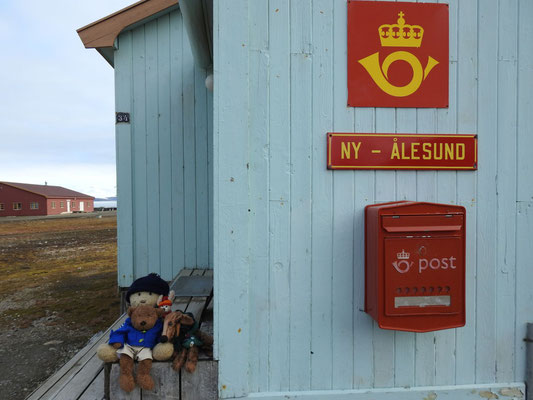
<point x="143" y="291"/>
<point x="134" y="340"/>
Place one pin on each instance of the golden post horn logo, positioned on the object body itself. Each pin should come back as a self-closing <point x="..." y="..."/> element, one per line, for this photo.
<point x="398" y="35"/>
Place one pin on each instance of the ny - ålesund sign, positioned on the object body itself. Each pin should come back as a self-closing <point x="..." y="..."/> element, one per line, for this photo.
<point x="401" y="151"/>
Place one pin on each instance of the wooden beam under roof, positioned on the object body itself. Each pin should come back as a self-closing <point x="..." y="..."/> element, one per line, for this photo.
<point x="102" y="33"/>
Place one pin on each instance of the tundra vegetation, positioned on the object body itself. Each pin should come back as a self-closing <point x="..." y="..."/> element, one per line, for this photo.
<point x="58" y="289"/>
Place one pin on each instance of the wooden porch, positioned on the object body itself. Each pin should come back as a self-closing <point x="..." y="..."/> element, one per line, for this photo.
<point x="84" y="376"/>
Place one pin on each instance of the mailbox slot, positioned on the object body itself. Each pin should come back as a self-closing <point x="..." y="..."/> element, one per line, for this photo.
<point x="422" y="223"/>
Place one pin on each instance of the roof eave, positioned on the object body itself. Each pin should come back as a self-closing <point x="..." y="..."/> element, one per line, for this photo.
<point x="87" y="197"/>
<point x="108" y="53"/>
<point x="76" y="195"/>
<point x="101" y="34"/>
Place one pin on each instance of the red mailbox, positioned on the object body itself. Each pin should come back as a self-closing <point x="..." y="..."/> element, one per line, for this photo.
<point x="415" y="265"/>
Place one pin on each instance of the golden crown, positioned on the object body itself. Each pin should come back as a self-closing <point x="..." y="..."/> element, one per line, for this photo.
<point x="403" y="255"/>
<point x="401" y="34"/>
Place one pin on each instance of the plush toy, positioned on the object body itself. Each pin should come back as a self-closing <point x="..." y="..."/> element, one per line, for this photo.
<point x="165" y="302"/>
<point x="146" y="290"/>
<point x="143" y="291"/>
<point x="134" y="340"/>
<point x="181" y="339"/>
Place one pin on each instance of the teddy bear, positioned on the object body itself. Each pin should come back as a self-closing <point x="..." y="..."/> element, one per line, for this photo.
<point x="182" y="339"/>
<point x="134" y="340"/>
<point x="143" y="291"/>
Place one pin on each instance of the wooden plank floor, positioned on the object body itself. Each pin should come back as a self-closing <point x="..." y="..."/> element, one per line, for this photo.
<point x="82" y="378"/>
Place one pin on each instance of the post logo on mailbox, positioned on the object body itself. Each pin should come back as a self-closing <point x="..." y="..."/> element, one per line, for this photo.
<point x="403" y="263"/>
<point x="397" y="54"/>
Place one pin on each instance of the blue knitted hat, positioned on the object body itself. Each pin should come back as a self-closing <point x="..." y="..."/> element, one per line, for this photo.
<point x="149" y="283"/>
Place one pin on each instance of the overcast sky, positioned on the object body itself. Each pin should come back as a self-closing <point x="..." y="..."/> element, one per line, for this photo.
<point x="56" y="97"/>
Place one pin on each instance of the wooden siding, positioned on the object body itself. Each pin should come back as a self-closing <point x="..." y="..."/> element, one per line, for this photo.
<point x="10" y="195"/>
<point x="288" y="233"/>
<point x="162" y="155"/>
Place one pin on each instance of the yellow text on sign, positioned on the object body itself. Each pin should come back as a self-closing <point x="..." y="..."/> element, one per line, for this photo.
<point x="411" y="151"/>
<point x="428" y="151"/>
<point x="346" y="150"/>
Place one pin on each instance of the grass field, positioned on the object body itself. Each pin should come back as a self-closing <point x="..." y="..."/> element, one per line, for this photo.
<point x="59" y="286"/>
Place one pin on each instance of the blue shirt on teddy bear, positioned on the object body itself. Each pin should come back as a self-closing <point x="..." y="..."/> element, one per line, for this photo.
<point x="128" y="334"/>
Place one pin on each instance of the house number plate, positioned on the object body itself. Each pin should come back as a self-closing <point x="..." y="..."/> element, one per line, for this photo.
<point x="122" y="117"/>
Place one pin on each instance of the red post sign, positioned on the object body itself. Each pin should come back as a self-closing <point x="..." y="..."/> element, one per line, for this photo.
<point x="401" y="151"/>
<point x="397" y="54"/>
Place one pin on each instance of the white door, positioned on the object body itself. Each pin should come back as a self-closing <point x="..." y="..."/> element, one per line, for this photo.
<point x="68" y="206"/>
<point x="81" y="205"/>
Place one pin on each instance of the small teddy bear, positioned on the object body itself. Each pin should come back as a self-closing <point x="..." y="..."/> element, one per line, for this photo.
<point x="182" y="339"/>
<point x="165" y="302"/>
<point x="143" y="291"/>
<point x="134" y="340"/>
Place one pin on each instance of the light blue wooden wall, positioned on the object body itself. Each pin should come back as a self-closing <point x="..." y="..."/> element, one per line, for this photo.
<point x="164" y="215"/>
<point x="288" y="233"/>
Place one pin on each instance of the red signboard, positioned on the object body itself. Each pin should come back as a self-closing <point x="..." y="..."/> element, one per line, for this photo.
<point x="401" y="151"/>
<point x="397" y="54"/>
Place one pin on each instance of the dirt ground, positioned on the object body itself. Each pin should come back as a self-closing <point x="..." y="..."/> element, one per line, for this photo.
<point x="58" y="288"/>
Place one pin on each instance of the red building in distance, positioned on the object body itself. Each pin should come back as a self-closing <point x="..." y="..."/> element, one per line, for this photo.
<point x="24" y="199"/>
